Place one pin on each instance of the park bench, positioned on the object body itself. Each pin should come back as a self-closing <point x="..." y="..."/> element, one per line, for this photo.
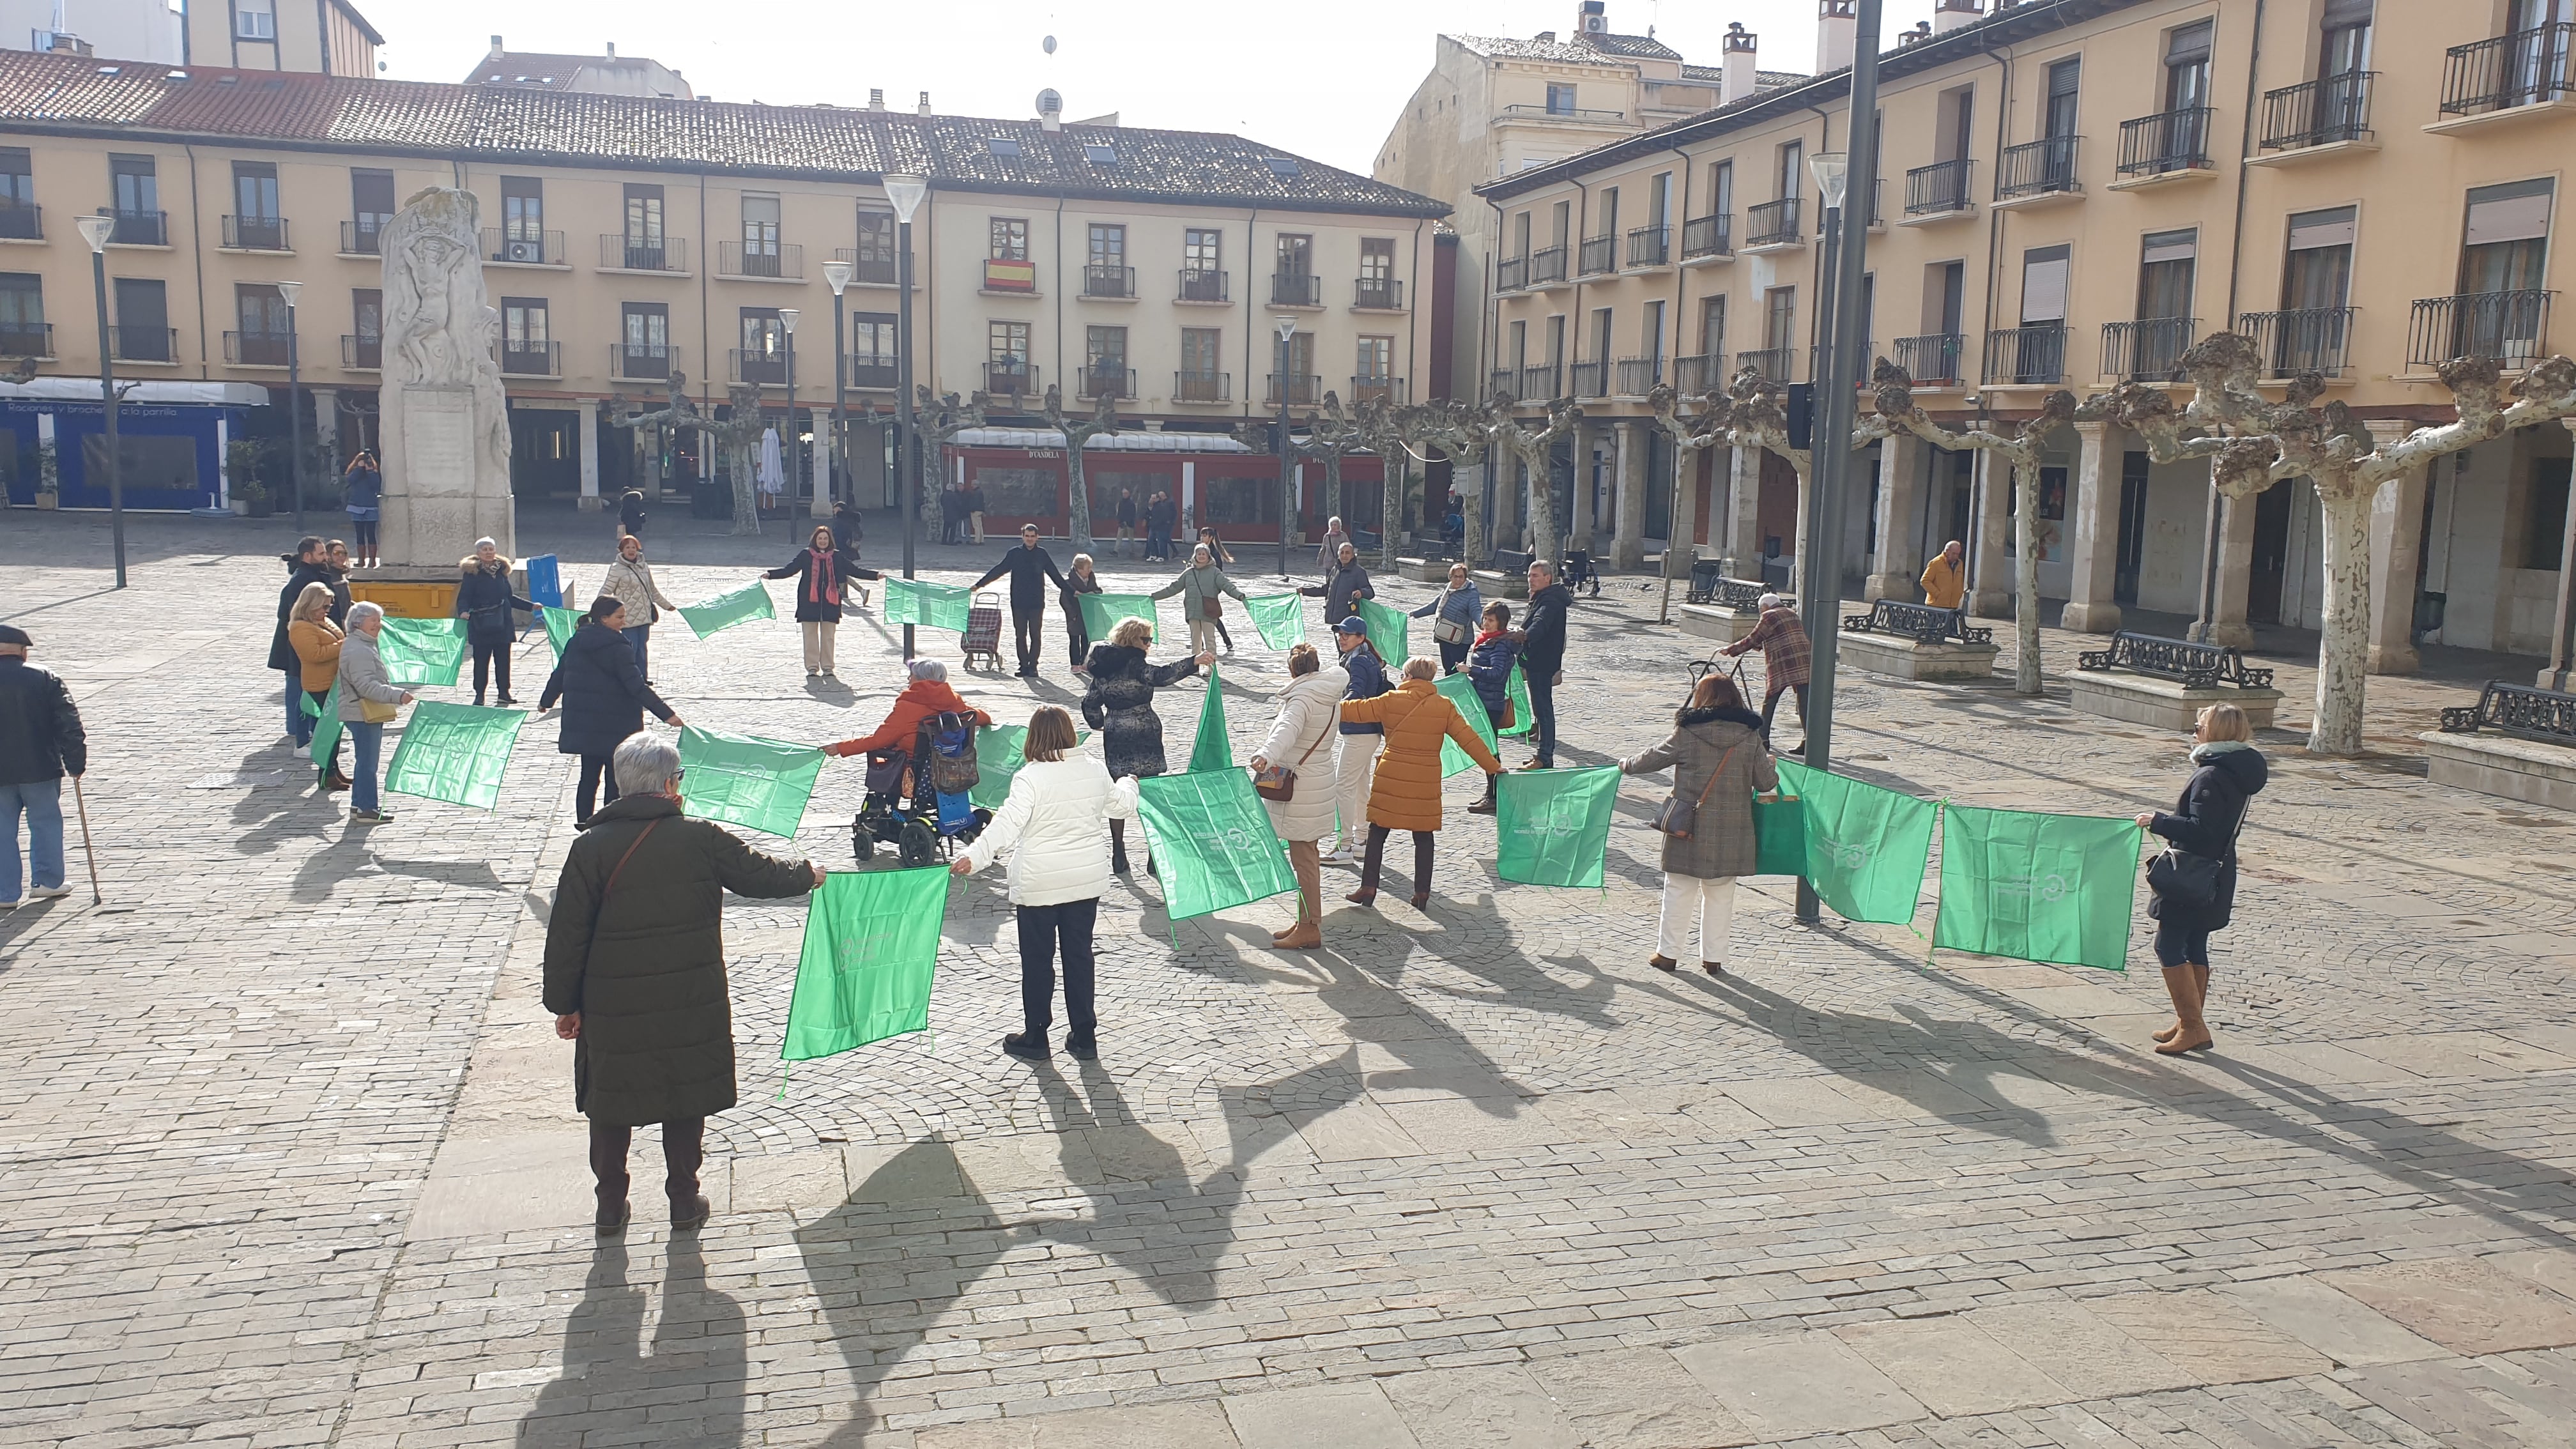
<point x="1512" y="560"/>
<point x="2194" y="666"/>
<point x="1921" y="622"/>
<point x="2516" y="709"/>
<point x="1704" y="577"/>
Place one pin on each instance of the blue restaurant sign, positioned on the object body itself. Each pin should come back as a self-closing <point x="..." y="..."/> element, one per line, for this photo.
<point x="170" y="435"/>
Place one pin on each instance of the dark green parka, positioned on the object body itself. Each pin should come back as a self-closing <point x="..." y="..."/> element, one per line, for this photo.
<point x="646" y="968"/>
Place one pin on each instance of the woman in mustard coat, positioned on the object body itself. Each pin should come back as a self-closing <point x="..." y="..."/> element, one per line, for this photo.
<point x="1405" y="793"/>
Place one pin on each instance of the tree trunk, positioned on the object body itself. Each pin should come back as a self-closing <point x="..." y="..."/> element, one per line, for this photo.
<point x="2343" y="652"/>
<point x="2026" y="579"/>
<point x="1390" y="507"/>
<point x="1471" y="509"/>
<point x="1542" y="506"/>
<point x="926" y="480"/>
<point x="746" y="507"/>
<point x="1077" y="495"/>
<point x="1333" y="492"/>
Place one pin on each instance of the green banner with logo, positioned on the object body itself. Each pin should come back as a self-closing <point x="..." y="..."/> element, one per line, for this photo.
<point x="871" y="949"/>
<point x="2054" y="888"/>
<point x="559" y="626"/>
<point x="1553" y="826"/>
<point x="1281" y="618"/>
<point x="1000" y="750"/>
<point x="928" y="605"/>
<point x="744" y="604"/>
<point x="1867" y="846"/>
<point x="454" y="752"/>
<point x="1101" y="613"/>
<point x="1390" y="632"/>
<point x="1462" y="692"/>
<point x="1212" y="841"/>
<point x="422" y="651"/>
<point x="745" y="780"/>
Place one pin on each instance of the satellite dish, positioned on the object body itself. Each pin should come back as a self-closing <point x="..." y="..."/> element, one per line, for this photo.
<point x="1050" y="45"/>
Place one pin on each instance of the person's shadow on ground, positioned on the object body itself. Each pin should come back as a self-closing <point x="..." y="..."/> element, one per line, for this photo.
<point x="694" y="1378"/>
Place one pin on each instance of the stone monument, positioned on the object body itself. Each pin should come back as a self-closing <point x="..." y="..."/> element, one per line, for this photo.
<point x="444" y="420"/>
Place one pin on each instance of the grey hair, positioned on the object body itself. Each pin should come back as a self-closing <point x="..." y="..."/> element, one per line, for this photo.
<point x="360" y="613"/>
<point x="929" y="669"/>
<point x="646" y="764"/>
<point x="491" y="543"/>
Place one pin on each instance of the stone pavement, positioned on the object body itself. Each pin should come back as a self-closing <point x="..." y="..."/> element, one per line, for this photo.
<point x="289" y="1157"/>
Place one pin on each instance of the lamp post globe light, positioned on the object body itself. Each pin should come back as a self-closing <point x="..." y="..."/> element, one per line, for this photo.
<point x="95" y="230"/>
<point x="795" y="460"/>
<point x="905" y="194"/>
<point x="836" y="275"/>
<point x="294" y="410"/>
<point x="1287" y="328"/>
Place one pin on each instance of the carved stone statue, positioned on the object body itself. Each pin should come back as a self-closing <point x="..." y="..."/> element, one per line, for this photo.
<point x="445" y="419"/>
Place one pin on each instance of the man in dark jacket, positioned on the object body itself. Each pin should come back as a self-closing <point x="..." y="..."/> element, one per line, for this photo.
<point x="307" y="565"/>
<point x="1344" y="587"/>
<point x="1542" y="641"/>
<point x="1034" y="580"/>
<point x="1161" y="519"/>
<point x="1126" y="521"/>
<point x="635" y="973"/>
<point x="484" y="600"/>
<point x="604" y="698"/>
<point x="40" y="742"/>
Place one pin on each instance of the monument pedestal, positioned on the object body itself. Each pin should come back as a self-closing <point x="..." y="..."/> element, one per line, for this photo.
<point x="443" y="419"/>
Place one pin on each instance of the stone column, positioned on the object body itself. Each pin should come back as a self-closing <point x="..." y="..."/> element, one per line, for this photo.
<point x="1990" y="593"/>
<point x="1579" y="531"/>
<point x="589" y="500"/>
<point x="1897" y="569"/>
<point x="818" y="465"/>
<point x="2396" y="547"/>
<point x="2562" y="625"/>
<point x="2096" y="543"/>
<point x="2227" y="623"/>
<point x="1741" y="546"/>
<point x="1511" y="479"/>
<point x="1628" y="546"/>
<point x="326" y="427"/>
<point x="1682" y="549"/>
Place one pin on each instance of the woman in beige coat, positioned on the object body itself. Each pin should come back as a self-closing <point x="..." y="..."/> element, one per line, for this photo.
<point x="1718" y="761"/>
<point x="1301" y="739"/>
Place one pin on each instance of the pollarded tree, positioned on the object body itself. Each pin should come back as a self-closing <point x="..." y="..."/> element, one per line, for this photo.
<point x="1332" y="435"/>
<point x="1460" y="432"/>
<point x="1381" y="425"/>
<point x="1705" y="429"/>
<point x="1531" y="445"/>
<point x="1077" y="435"/>
<point x="937" y="421"/>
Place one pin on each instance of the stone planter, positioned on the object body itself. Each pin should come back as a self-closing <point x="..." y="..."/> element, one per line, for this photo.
<point x="49" y="500"/>
<point x="1902" y="657"/>
<point x="2501" y="765"/>
<point x="2161" y="703"/>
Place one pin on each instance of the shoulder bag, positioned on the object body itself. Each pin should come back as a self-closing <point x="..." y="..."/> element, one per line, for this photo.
<point x="1677" y="817"/>
<point x="1279" y="782"/>
<point x="2188" y="879"/>
<point x="1445" y="630"/>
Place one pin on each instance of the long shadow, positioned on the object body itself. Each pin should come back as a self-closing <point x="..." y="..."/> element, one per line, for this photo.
<point x="699" y="1359"/>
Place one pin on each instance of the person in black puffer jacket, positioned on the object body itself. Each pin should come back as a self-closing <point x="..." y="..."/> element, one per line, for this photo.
<point x="484" y="602"/>
<point x="604" y="700"/>
<point x="2228" y="773"/>
<point x="1120" y="704"/>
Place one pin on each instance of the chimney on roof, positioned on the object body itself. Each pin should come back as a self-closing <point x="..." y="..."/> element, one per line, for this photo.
<point x="924" y="108"/>
<point x="1050" y="110"/>
<point x="496" y="48"/>
<point x="876" y="98"/>
<point x="1837" y="32"/>
<point x="1737" y="76"/>
<point x="612" y="50"/>
<point x="1591" y="18"/>
<point x="1949" y="15"/>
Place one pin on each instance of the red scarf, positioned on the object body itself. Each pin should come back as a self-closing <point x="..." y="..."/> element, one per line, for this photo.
<point x="1490" y="635"/>
<point x="822" y="577"/>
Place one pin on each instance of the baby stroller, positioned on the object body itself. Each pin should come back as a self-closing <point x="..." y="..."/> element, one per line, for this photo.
<point x="1577" y="571"/>
<point x="940" y="814"/>
<point x="984" y="629"/>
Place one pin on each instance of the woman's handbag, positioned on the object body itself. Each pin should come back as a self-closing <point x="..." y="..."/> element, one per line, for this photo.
<point x="2190" y="880"/>
<point x="1677" y="817"/>
<point x="376" y="712"/>
<point x="1508" y="720"/>
<point x="1211" y="607"/>
<point x="1448" y="631"/>
<point x="1279" y="782"/>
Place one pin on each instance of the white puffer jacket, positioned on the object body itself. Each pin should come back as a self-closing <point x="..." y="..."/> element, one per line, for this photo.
<point x="1309" y="709"/>
<point x="1058" y="815"/>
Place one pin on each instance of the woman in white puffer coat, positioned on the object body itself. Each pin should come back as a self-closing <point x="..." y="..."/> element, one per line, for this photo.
<point x="1058" y="814"/>
<point x="1301" y="739"/>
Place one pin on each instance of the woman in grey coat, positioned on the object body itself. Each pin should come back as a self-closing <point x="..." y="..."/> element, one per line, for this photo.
<point x="1202" y="587"/>
<point x="369" y="700"/>
<point x="1718" y="761"/>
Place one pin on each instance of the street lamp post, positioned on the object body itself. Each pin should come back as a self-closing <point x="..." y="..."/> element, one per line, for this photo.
<point x="836" y="275"/>
<point x="294" y="404"/>
<point x="1287" y="329"/>
<point x="96" y="230"/>
<point x="795" y="440"/>
<point x="905" y="194"/>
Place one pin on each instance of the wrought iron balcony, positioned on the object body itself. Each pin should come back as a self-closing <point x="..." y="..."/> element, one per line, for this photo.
<point x="27" y="339"/>
<point x="1823" y="213"/>
<point x="1296" y="289"/>
<point x="1199" y="286"/>
<point x="620" y="252"/>
<point x="1708" y="236"/>
<point x="1502" y="379"/>
<point x="885" y="271"/>
<point x="1102" y="279"/>
<point x="362" y="352"/>
<point x="521" y="247"/>
<point x="2525" y="68"/>
<point x="1511" y="273"/>
<point x="1106" y="379"/>
<point x="757" y="367"/>
<point x="2510" y="327"/>
<point x="2166" y="142"/>
<point x="1011" y="377"/>
<point x="1935" y="358"/>
<point x="1773" y="363"/>
<point x="1539" y="380"/>
<point x="1638" y="375"/>
<point x="362" y="235"/>
<point x="1939" y="189"/>
<point x="255" y="234"/>
<point x="143" y="344"/>
<point x="642" y="361"/>
<point x="1546" y="265"/>
<point x="760" y="259"/>
<point x="22" y="222"/>
<point x="1300" y="390"/>
<point x="1527" y="112"/>
<point x="2033" y="353"/>
<point x="1699" y="374"/>
<point x="1201" y="387"/>
<point x="531" y="359"/>
<point x="1772" y="223"/>
<point x="257" y="349"/>
<point x="1600" y="254"/>
<point x="1377" y="294"/>
<point x="2301" y="339"/>
<point x="869" y="370"/>
<point x="139" y="228"/>
<point x="1650" y="246"/>
<point x="2149" y="349"/>
<point x="1591" y="379"/>
<point x="2318" y="112"/>
<point x="1366" y="388"/>
<point x="2038" y="168"/>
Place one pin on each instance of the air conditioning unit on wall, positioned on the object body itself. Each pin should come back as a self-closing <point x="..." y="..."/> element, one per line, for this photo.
<point x="524" y="251"/>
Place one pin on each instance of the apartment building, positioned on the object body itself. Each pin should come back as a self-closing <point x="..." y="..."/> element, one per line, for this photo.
<point x="631" y="239"/>
<point x="2069" y="193"/>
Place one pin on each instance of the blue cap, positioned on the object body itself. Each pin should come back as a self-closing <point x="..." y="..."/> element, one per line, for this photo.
<point x="1351" y="625"/>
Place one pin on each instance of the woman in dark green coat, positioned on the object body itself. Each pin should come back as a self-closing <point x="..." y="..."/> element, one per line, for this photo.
<point x="635" y="971"/>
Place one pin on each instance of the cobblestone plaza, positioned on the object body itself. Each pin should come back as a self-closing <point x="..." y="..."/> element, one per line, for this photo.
<point x="288" y="1151"/>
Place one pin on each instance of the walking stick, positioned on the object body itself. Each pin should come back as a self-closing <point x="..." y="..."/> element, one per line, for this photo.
<point x="87" y="849"/>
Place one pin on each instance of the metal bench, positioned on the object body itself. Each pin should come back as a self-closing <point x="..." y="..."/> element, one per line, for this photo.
<point x="1745" y="595"/>
<point x="2194" y="666"/>
<point x="1921" y="622"/>
<point x="1512" y="561"/>
<point x="1704" y="575"/>
<point x="2516" y="709"/>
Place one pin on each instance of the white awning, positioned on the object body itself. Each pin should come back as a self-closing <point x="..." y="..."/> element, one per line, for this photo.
<point x="85" y="389"/>
<point x="1104" y="443"/>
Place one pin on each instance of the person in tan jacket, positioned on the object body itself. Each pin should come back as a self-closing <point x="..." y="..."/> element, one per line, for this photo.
<point x="1405" y="794"/>
<point x="316" y="641"/>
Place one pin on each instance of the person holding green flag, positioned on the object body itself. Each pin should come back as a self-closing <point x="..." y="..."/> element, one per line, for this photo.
<point x="1202" y="587"/>
<point x="1120" y="704"/>
<point x="604" y="698"/>
<point x="1294" y="773"/>
<point x="1355" y="752"/>
<point x="629" y="580"/>
<point x="2194" y="882"/>
<point x="1489" y="668"/>
<point x="1453" y="618"/>
<point x="317" y="643"/>
<point x="1080" y="578"/>
<point x="368" y="702"/>
<point x="1406" y="792"/>
<point x="1718" y="760"/>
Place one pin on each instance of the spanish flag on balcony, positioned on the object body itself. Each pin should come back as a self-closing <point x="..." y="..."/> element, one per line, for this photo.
<point x="1001" y="276"/>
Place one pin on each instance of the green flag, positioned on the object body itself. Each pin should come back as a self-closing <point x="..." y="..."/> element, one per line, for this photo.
<point x="751" y="601"/>
<point x="1553" y="826"/>
<point x="1780" y="837"/>
<point x="1867" y="847"/>
<point x="1000" y="750"/>
<point x="1390" y="631"/>
<point x="1214" y="749"/>
<point x="422" y="651"/>
<point x="871" y="947"/>
<point x="326" y="727"/>
<point x="928" y="605"/>
<point x="454" y="752"/>
<point x="1213" y="841"/>
<point x="748" y="781"/>
<point x="1462" y="693"/>
<point x="559" y="625"/>
<point x="1516" y="691"/>
<point x="1281" y="618"/>
<point x="1101" y="613"/>
<point x="2055" y="888"/>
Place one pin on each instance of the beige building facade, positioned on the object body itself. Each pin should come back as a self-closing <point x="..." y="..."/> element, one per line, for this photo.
<point x="2070" y="192"/>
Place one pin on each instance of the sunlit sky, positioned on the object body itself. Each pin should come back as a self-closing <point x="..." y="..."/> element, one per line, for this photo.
<point x="1323" y="78"/>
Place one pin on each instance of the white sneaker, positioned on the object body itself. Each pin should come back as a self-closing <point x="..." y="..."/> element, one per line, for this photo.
<point x="49" y="893"/>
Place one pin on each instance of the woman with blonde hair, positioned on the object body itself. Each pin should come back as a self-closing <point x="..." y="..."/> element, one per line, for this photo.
<point x="1309" y="713"/>
<point x="1119" y="702"/>
<point x="317" y="642"/>
<point x="1079" y="579"/>
<point x="2194" y="882"/>
<point x="1405" y="795"/>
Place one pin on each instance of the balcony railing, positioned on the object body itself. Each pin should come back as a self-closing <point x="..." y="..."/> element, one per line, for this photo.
<point x="27" y="339"/>
<point x="531" y="359"/>
<point x="2034" y="352"/>
<point x="2318" y="112"/>
<point x="2037" y="168"/>
<point x="756" y="367"/>
<point x="760" y="259"/>
<point x="1638" y="375"/>
<point x="1365" y="388"/>
<point x="2149" y="349"/>
<point x="1296" y="289"/>
<point x="2521" y="69"/>
<point x="1011" y="377"/>
<point x="1708" y="236"/>
<point x="869" y="370"/>
<point x="1105" y="379"/>
<point x="1591" y="379"/>
<point x="1650" y="246"/>
<point x="21" y="222"/>
<point x="1100" y="279"/>
<point x="1699" y="373"/>
<point x="1563" y="113"/>
<point x="362" y="352"/>
<point x="1936" y="358"/>
<point x="1502" y="379"/>
<point x="1201" y="387"/>
<point x="1199" y="286"/>
<point x="642" y="361"/>
<point x="1511" y="273"/>
<point x="138" y="228"/>
<point x="2510" y="327"/>
<point x="2166" y="142"/>
<point x="1772" y="223"/>
<point x="1772" y="363"/>
<point x="2301" y="339"/>
<point x="623" y="253"/>
<point x="1939" y="189"/>
<point x="1538" y="380"/>
<point x="255" y="233"/>
<point x="143" y="344"/>
<point x="363" y="234"/>
<point x="1600" y="254"/>
<point x="879" y="271"/>
<point x="1824" y="214"/>
<point x="1301" y="389"/>
<point x="521" y="247"/>
<point x="1377" y="294"/>
<point x="1546" y="265"/>
<point x="257" y="349"/>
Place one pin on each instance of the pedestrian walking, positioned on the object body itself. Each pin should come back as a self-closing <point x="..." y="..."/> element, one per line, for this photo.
<point x="974" y="506"/>
<point x="848" y="528"/>
<point x="1119" y="702"/>
<point x="1404" y="793"/>
<point x="635" y="973"/>
<point x="2194" y="882"/>
<point x="1079" y="580"/>
<point x="1295" y="748"/>
<point x="1343" y="587"/>
<point x="1786" y="657"/>
<point x="604" y="698"/>
<point x="1225" y="560"/>
<point x="926" y="695"/>
<point x="1718" y="759"/>
<point x="1945" y="578"/>
<point x="1328" y="553"/>
<point x="306" y="565"/>
<point x="317" y="643"/>
<point x="1542" y="642"/>
<point x="362" y="491"/>
<point x="629" y="580"/>
<point x="1126" y="521"/>
<point x="41" y="741"/>
<point x="1163" y="519"/>
<point x="820" y="569"/>
<point x="1031" y="570"/>
<point x="1454" y="616"/>
<point x="1489" y="669"/>
<point x="484" y="601"/>
<point x="630" y="515"/>
<point x="369" y="700"/>
<point x="1060" y="869"/>
<point x="1202" y="587"/>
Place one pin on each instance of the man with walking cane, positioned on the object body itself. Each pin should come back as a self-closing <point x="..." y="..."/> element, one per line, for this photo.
<point x="40" y="742"/>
